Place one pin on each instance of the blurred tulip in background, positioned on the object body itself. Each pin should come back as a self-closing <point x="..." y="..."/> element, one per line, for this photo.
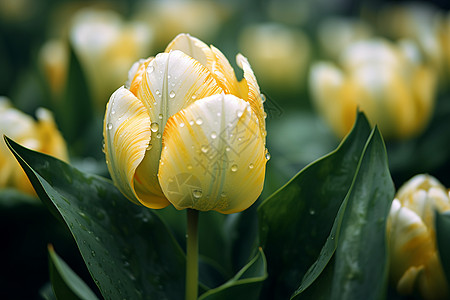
<point x="41" y="135"/>
<point x="414" y="261"/>
<point x="184" y="131"/>
<point x="388" y="81"/>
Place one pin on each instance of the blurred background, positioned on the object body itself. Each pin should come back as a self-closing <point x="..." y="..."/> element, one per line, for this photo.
<point x="316" y="62"/>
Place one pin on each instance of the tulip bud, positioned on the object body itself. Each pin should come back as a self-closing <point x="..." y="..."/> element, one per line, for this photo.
<point x="184" y="131"/>
<point x="414" y="260"/>
<point x="386" y="81"/>
<point x="42" y="136"/>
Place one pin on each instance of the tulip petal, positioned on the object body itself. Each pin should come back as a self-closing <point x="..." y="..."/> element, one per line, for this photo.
<point x="127" y="135"/>
<point x="172" y="81"/>
<point x="213" y="156"/>
<point x="193" y="47"/>
<point x="252" y="93"/>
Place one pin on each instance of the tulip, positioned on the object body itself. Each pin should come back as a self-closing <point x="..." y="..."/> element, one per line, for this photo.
<point x="106" y="46"/>
<point x="184" y="131"/>
<point x="414" y="260"/>
<point x="42" y="136"/>
<point x="279" y="54"/>
<point x="386" y="81"/>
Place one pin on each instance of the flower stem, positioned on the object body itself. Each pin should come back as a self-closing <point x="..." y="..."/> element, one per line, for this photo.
<point x="192" y="255"/>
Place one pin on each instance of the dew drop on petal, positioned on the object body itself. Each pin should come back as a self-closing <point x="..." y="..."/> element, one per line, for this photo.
<point x="113" y="111"/>
<point x="109" y="126"/>
<point x="158" y="92"/>
<point x="189" y="167"/>
<point x="160" y="116"/>
<point x="158" y="135"/>
<point x="251" y="166"/>
<point x="263" y="98"/>
<point x="239" y="113"/>
<point x="191" y="122"/>
<point x="267" y="155"/>
<point x="150" y="69"/>
<point x="172" y="94"/>
<point x="234" y="168"/>
<point x="228" y="149"/>
<point x="199" y="121"/>
<point x="194" y="97"/>
<point x="154" y="127"/>
<point x="197" y="193"/>
<point x="213" y="135"/>
<point x="149" y="147"/>
<point x="181" y="124"/>
<point x="204" y="149"/>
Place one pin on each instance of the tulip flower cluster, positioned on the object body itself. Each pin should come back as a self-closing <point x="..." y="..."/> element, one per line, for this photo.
<point x="184" y="131"/>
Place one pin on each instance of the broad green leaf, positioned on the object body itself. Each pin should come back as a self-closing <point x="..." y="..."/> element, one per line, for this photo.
<point x="358" y="237"/>
<point x="66" y="283"/>
<point x="294" y="222"/>
<point x="246" y="284"/>
<point x="442" y="221"/>
<point x="128" y="250"/>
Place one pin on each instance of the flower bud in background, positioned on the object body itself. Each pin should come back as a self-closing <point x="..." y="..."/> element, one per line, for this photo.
<point x="279" y="55"/>
<point x="201" y="18"/>
<point x="335" y="34"/>
<point x="387" y="81"/>
<point x="414" y="260"/>
<point x="184" y="131"/>
<point x="53" y="60"/>
<point x="41" y="135"/>
<point x="106" y="46"/>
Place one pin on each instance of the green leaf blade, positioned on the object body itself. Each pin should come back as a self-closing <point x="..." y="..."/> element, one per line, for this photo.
<point x="128" y="250"/>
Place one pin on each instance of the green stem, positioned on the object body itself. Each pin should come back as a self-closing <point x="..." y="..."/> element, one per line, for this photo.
<point x="192" y="255"/>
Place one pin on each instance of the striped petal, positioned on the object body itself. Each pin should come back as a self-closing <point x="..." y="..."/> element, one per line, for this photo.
<point x="127" y="135"/>
<point x="171" y="82"/>
<point x="250" y="92"/>
<point x="213" y="156"/>
<point x="193" y="47"/>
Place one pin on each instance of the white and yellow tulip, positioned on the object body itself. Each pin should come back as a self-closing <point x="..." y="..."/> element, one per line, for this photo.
<point x="414" y="260"/>
<point x="387" y="81"/>
<point x="42" y="136"/>
<point x="184" y="131"/>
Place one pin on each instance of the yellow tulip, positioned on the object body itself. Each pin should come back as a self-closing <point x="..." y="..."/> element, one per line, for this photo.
<point x="184" y="131"/>
<point x="42" y="136"/>
<point x="414" y="261"/>
<point x="386" y="81"/>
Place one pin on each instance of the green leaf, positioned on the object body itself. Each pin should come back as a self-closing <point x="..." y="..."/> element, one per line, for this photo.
<point x="66" y="283"/>
<point x="128" y="250"/>
<point x="442" y="221"/>
<point x="358" y="239"/>
<point x="294" y="222"/>
<point x="246" y="284"/>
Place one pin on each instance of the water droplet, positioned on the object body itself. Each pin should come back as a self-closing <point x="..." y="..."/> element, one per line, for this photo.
<point x="93" y="253"/>
<point x="251" y="166"/>
<point x="103" y="146"/>
<point x="191" y="122"/>
<point x="181" y="124"/>
<point x="158" y="92"/>
<point x="197" y="193"/>
<point x="150" y="69"/>
<point x="149" y="147"/>
<point x="168" y="76"/>
<point x="228" y="149"/>
<point x="263" y="98"/>
<point x="218" y="114"/>
<point x="154" y="127"/>
<point x="312" y="212"/>
<point x="204" y="149"/>
<point x="267" y="155"/>
<point x="199" y="121"/>
<point x="160" y="116"/>
<point x="189" y="167"/>
<point x="223" y="195"/>
<point x="194" y="97"/>
<point x="172" y="94"/>
<point x="239" y="113"/>
<point x="109" y="126"/>
<point x="265" y="115"/>
<point x="113" y="111"/>
<point x="234" y="168"/>
<point x="158" y="135"/>
<point x="213" y="135"/>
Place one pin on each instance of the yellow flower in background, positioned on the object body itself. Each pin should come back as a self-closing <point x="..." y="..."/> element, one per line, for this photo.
<point x="414" y="260"/>
<point x="201" y="18"/>
<point x="184" y="131"/>
<point x="54" y="60"/>
<point x="279" y="55"/>
<point x="387" y="81"/>
<point x="41" y="135"/>
<point x="106" y="46"/>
